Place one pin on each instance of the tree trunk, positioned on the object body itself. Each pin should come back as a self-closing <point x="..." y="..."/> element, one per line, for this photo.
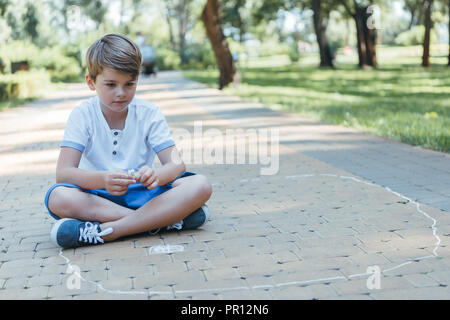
<point x="448" y="33"/>
<point x="326" y="57"/>
<point x="366" y="38"/>
<point x="426" y="39"/>
<point x="169" y="8"/>
<point x="183" y="17"/>
<point x="412" y="11"/>
<point x="211" y="17"/>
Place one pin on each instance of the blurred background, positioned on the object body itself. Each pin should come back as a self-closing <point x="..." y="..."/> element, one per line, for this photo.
<point x="381" y="66"/>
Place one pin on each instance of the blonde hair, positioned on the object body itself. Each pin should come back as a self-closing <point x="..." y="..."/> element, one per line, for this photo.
<point x="114" y="51"/>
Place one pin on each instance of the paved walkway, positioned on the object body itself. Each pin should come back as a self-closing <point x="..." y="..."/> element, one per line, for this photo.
<point x="346" y="215"/>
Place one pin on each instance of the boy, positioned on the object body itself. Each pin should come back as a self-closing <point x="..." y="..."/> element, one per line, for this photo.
<point x="106" y="184"/>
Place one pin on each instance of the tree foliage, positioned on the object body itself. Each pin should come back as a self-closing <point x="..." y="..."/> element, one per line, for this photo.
<point x="31" y="21"/>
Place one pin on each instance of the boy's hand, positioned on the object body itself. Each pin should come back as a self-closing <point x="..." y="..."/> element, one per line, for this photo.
<point x="148" y="177"/>
<point x="117" y="182"/>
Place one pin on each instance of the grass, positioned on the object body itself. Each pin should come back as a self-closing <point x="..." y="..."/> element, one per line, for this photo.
<point x="399" y="100"/>
<point x="36" y="90"/>
<point x="29" y="86"/>
<point x="15" y="103"/>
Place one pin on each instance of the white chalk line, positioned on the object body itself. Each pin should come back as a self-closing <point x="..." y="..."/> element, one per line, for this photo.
<point x="299" y="282"/>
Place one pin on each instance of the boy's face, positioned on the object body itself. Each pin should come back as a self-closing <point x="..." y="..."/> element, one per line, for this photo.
<point x="115" y="89"/>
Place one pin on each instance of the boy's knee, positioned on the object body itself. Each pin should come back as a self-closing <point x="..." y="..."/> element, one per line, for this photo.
<point x="198" y="184"/>
<point x="205" y="187"/>
<point x="61" y="199"/>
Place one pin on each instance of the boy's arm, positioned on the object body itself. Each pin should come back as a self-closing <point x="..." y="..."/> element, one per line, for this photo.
<point x="115" y="181"/>
<point x="67" y="171"/>
<point x="172" y="165"/>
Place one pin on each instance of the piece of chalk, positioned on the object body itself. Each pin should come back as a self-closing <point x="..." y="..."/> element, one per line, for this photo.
<point x="132" y="173"/>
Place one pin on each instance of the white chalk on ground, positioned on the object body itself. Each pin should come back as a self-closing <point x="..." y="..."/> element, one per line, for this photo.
<point x="168" y="248"/>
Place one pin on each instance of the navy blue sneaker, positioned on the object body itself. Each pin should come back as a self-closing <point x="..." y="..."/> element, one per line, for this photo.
<point x="193" y="221"/>
<point x="196" y="219"/>
<point x="71" y="233"/>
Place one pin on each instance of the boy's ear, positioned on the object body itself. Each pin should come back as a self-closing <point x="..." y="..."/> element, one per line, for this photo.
<point x="90" y="82"/>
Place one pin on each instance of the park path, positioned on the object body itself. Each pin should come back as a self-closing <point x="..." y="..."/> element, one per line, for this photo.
<point x="346" y="216"/>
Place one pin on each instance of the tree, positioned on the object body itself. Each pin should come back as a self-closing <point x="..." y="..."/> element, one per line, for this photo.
<point x="211" y="18"/>
<point x="169" y="14"/>
<point x="3" y="7"/>
<point x="268" y="10"/>
<point x="448" y="33"/>
<point x="426" y="39"/>
<point x="238" y="16"/>
<point x="321" y="10"/>
<point x="30" y="21"/>
<point x="320" y="26"/>
<point x="365" y="32"/>
<point x="178" y="17"/>
<point x="415" y="9"/>
<point x="94" y="9"/>
<point x="182" y="10"/>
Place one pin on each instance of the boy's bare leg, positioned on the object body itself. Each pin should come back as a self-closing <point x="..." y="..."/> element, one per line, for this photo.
<point x="187" y="195"/>
<point x="73" y="203"/>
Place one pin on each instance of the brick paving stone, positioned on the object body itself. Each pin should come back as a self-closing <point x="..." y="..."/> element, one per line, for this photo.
<point x="260" y="282"/>
<point x="242" y="259"/>
<point x="222" y="273"/>
<point x="210" y="286"/>
<point x="95" y="275"/>
<point x="176" y="266"/>
<point x="54" y="270"/>
<point x="63" y="292"/>
<point x="156" y="292"/>
<point x="123" y="283"/>
<point x="131" y="270"/>
<point x="399" y="255"/>
<point x="353" y="297"/>
<point x="255" y="294"/>
<point x="440" y="276"/>
<point x="45" y="280"/>
<point x="316" y="292"/>
<point x="19" y="271"/>
<point x="171" y="278"/>
<point x="16" y="282"/>
<point x="429" y="293"/>
<point x="409" y="267"/>
<point x="103" y="295"/>
<point x="35" y="293"/>
<point x="354" y="286"/>
<point x="19" y="255"/>
<point x="419" y="280"/>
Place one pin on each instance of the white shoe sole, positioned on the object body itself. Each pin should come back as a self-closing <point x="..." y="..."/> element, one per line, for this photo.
<point x="207" y="213"/>
<point x="54" y="231"/>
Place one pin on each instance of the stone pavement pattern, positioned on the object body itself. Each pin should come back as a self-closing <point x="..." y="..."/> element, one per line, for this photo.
<point x="308" y="232"/>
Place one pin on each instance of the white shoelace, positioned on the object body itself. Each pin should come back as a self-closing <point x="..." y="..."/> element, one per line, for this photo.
<point x="90" y="233"/>
<point x="177" y="226"/>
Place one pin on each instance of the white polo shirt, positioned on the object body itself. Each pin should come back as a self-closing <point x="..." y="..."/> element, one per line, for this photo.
<point x="145" y="134"/>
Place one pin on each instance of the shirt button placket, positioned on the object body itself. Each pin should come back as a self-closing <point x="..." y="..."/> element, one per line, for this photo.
<point x="116" y="133"/>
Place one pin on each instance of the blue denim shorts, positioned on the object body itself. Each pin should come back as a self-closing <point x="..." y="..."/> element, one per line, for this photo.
<point x="136" y="196"/>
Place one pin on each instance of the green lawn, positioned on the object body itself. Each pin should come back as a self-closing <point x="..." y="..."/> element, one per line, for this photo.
<point x="15" y="103"/>
<point x="399" y="100"/>
<point x="32" y="85"/>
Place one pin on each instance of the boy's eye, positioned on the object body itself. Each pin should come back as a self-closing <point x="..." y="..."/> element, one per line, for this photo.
<point x="130" y="84"/>
<point x="110" y="84"/>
